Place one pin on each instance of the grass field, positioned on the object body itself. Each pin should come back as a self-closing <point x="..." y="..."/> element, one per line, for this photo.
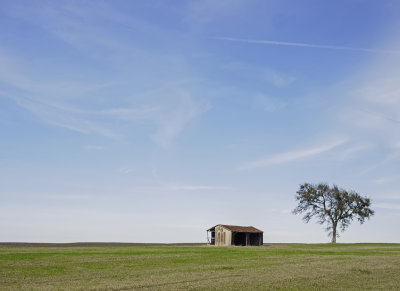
<point x="275" y="266"/>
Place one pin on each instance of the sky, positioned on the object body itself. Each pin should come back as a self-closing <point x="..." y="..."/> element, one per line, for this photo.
<point x="151" y="121"/>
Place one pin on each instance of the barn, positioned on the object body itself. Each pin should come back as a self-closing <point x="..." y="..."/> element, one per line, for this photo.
<point x="234" y="235"/>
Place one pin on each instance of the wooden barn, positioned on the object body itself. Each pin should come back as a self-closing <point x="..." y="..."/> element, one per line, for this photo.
<point x="234" y="235"/>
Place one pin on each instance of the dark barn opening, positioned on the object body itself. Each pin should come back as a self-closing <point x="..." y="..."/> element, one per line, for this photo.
<point x="255" y="239"/>
<point x="239" y="239"/>
<point x="213" y="237"/>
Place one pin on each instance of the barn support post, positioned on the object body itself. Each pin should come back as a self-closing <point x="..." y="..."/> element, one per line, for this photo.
<point x="247" y="239"/>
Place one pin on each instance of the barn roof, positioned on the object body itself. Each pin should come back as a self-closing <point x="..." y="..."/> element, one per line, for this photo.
<point x="237" y="228"/>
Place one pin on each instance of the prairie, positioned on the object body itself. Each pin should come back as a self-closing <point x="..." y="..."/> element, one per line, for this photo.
<point x="196" y="267"/>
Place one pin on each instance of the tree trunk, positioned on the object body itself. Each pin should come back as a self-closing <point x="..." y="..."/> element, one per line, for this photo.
<point x="334" y="225"/>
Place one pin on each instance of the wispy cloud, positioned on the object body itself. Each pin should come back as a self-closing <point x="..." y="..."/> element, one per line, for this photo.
<point x="269" y="103"/>
<point x="94" y="148"/>
<point x="380" y="116"/>
<point x="22" y="73"/>
<point x="169" y="117"/>
<point x="307" y="45"/>
<point x="60" y="118"/>
<point x="129" y="113"/>
<point x="127" y="170"/>
<point x="390" y="158"/>
<point x="269" y="75"/>
<point x="169" y="107"/>
<point x="352" y="151"/>
<point x="373" y="113"/>
<point x="292" y="155"/>
<point x="64" y="102"/>
<point x="172" y="122"/>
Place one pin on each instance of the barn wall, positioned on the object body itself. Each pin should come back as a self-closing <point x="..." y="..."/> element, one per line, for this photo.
<point x="223" y="237"/>
<point x="228" y="241"/>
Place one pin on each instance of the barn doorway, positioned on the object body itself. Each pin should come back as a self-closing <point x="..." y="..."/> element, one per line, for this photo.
<point x="239" y="239"/>
<point x="255" y="239"/>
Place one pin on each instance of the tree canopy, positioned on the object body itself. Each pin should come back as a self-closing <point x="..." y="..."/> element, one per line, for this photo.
<point x="332" y="206"/>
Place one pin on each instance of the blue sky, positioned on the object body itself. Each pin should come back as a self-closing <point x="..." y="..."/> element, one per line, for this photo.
<point x="150" y="121"/>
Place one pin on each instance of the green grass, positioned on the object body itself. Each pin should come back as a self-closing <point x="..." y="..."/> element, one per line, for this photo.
<point x="274" y="267"/>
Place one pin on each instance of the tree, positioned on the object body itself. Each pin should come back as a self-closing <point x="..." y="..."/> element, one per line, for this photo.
<point x="332" y="205"/>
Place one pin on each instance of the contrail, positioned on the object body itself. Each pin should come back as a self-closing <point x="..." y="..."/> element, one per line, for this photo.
<point x="380" y="115"/>
<point x="309" y="45"/>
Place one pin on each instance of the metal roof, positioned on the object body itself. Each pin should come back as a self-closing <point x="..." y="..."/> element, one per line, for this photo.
<point x="237" y="228"/>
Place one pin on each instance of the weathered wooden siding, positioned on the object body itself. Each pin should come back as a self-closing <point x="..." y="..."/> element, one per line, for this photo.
<point x="223" y="236"/>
